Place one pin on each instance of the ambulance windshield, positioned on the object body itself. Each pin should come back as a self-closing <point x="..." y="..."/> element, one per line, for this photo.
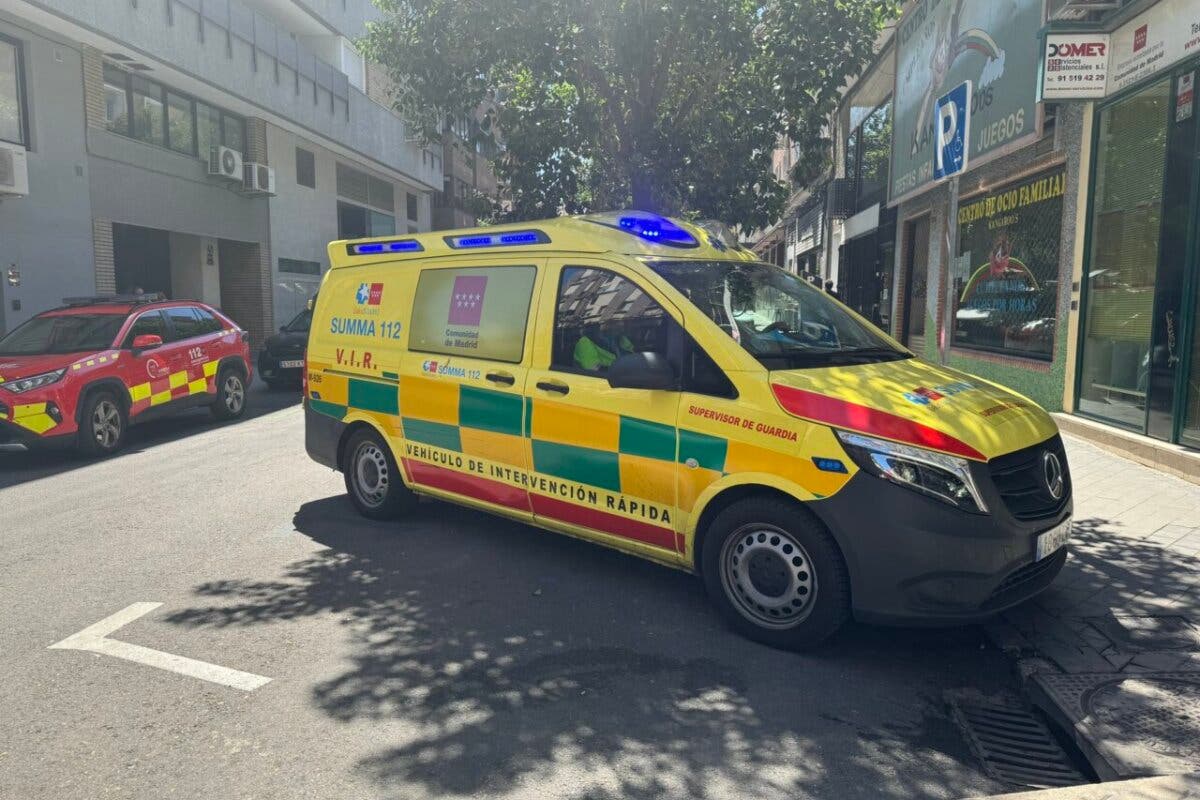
<point x="783" y="321"/>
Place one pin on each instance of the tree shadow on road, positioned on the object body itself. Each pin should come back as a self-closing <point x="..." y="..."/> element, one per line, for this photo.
<point x="499" y="660"/>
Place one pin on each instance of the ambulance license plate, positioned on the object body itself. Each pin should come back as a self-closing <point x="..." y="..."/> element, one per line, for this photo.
<point x="291" y="364"/>
<point x="1053" y="540"/>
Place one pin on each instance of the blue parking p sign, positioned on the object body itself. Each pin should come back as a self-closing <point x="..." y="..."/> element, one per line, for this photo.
<point x="952" y="126"/>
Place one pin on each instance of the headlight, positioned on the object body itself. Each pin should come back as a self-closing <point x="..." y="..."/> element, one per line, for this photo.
<point x="33" y="382"/>
<point x="937" y="475"/>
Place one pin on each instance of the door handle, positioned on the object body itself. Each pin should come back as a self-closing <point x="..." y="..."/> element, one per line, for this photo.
<point x="501" y="377"/>
<point x="553" y="386"/>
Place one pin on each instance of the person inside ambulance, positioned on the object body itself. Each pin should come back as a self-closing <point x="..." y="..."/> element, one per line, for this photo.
<point x="599" y="346"/>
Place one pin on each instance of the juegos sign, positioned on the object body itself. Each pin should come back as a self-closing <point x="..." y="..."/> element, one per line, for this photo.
<point x="944" y="43"/>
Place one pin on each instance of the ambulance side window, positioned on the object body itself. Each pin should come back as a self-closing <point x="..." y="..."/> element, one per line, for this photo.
<point x="601" y="316"/>
<point x="150" y="324"/>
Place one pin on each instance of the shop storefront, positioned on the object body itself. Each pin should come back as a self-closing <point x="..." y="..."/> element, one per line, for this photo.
<point x="1139" y="343"/>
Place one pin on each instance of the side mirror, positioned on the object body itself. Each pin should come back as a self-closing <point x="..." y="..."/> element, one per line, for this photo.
<point x="147" y="341"/>
<point x="643" y="371"/>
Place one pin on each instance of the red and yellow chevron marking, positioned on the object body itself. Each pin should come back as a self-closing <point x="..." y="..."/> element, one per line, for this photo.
<point x="195" y="379"/>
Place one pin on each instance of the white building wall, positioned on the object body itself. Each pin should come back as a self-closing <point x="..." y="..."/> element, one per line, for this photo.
<point x="304" y="221"/>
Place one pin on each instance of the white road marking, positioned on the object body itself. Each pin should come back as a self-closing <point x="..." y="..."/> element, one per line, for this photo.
<point x="94" y="639"/>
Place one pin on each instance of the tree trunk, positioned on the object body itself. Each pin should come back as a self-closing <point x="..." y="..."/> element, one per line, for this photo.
<point x="642" y="186"/>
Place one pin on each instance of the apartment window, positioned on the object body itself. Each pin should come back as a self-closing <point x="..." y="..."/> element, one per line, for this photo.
<point x="181" y="124"/>
<point x="297" y="266"/>
<point x="143" y="109"/>
<point x="355" y="222"/>
<point x="410" y="201"/>
<point x="116" y="100"/>
<point x="12" y="93"/>
<point x="306" y="168"/>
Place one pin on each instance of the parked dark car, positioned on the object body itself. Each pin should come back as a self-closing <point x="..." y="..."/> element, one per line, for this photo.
<point x="281" y="362"/>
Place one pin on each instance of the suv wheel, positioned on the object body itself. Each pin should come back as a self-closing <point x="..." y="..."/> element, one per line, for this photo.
<point x="776" y="574"/>
<point x="373" y="480"/>
<point x="102" y="424"/>
<point x="231" y="394"/>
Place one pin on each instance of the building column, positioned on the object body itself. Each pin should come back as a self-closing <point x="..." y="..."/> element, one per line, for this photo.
<point x="245" y="269"/>
<point x="256" y="141"/>
<point x="105" y="262"/>
<point x="93" y="87"/>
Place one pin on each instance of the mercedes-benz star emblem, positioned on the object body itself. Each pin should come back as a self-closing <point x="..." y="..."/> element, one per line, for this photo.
<point x="1053" y="470"/>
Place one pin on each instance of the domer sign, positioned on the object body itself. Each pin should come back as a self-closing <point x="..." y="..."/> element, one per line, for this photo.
<point x="1075" y="66"/>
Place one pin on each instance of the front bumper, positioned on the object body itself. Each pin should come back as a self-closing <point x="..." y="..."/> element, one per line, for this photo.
<point x="28" y="419"/>
<point x="916" y="560"/>
<point x="270" y="370"/>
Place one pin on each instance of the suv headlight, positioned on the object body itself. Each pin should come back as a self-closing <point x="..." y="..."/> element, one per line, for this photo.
<point x="33" y="381"/>
<point x="944" y="477"/>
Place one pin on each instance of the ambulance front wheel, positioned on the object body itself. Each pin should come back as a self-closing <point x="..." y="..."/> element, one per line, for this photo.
<point x="775" y="573"/>
<point x="373" y="479"/>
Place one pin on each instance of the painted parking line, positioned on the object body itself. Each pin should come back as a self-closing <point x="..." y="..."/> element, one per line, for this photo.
<point x="94" y="639"/>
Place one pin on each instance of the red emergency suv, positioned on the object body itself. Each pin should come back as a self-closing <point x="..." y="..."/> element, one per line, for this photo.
<point x="85" y="372"/>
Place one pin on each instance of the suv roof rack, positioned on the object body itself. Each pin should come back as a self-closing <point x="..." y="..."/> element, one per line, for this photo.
<point x="101" y="299"/>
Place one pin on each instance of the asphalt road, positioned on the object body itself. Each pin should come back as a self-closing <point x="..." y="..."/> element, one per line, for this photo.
<point x="450" y="655"/>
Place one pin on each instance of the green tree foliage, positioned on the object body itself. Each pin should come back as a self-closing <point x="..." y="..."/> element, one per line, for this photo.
<point x="672" y="106"/>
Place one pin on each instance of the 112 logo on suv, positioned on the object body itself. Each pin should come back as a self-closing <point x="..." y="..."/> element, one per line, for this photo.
<point x="369" y="294"/>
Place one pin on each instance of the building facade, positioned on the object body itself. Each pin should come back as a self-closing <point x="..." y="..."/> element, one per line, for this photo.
<point x="469" y="148"/>
<point x="1063" y="260"/>
<point x="208" y="149"/>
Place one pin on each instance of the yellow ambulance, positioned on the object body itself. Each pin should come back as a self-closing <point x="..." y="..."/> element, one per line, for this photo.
<point x="645" y="383"/>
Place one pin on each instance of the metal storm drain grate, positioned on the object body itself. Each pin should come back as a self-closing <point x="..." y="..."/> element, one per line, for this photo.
<point x="1014" y="744"/>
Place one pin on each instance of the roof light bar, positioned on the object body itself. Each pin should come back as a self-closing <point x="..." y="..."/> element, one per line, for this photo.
<point x="375" y="248"/>
<point x="656" y="229"/>
<point x="503" y="239"/>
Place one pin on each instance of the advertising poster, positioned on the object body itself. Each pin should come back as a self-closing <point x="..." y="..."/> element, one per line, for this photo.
<point x="1007" y="298"/>
<point x="942" y="43"/>
<point x="1075" y="66"/>
<point x="472" y="313"/>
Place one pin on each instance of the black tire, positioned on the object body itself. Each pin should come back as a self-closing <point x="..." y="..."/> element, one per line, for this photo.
<point x="103" y="423"/>
<point x="230" y="402"/>
<point x="775" y="573"/>
<point x="373" y="479"/>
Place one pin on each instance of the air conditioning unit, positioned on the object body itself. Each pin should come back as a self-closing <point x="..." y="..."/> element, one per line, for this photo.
<point x="14" y="171"/>
<point x="225" y="162"/>
<point x="258" y="179"/>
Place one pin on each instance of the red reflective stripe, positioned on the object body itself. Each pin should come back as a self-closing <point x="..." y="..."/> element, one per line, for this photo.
<point x="855" y="417"/>
<point x="553" y="508"/>
<point x="448" y="480"/>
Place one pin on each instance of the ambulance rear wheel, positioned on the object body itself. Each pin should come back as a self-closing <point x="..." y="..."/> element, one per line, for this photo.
<point x="231" y="394"/>
<point x="102" y="424"/>
<point x="373" y="479"/>
<point x="776" y="574"/>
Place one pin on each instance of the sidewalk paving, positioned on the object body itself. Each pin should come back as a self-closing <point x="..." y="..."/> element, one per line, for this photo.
<point x="1178" y="787"/>
<point x="1112" y="649"/>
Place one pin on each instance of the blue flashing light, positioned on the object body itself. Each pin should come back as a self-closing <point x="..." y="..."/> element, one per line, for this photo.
<point x="509" y="239"/>
<point x="473" y="241"/>
<point x="658" y="230"/>
<point x="829" y="465"/>
<point x="397" y="246"/>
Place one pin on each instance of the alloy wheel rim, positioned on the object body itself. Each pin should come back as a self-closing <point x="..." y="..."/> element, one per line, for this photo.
<point x="769" y="576"/>
<point x="371" y="474"/>
<point x="106" y="424"/>
<point x="235" y="394"/>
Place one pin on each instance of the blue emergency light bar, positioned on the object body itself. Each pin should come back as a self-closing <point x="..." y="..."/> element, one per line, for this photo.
<point x="376" y="248"/>
<point x="505" y="239"/>
<point x="656" y="229"/>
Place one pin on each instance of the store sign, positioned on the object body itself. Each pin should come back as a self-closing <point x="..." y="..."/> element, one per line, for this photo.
<point x="1075" y="66"/>
<point x="1185" y="97"/>
<point x="1153" y="41"/>
<point x="1009" y="239"/>
<point x="942" y="43"/>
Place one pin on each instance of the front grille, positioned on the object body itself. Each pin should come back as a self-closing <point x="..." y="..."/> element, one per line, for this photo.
<point x="1020" y="478"/>
<point x="1026" y="581"/>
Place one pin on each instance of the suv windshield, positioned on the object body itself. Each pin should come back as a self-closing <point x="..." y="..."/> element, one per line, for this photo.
<point x="300" y="323"/>
<point x="781" y="320"/>
<point x="66" y="333"/>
